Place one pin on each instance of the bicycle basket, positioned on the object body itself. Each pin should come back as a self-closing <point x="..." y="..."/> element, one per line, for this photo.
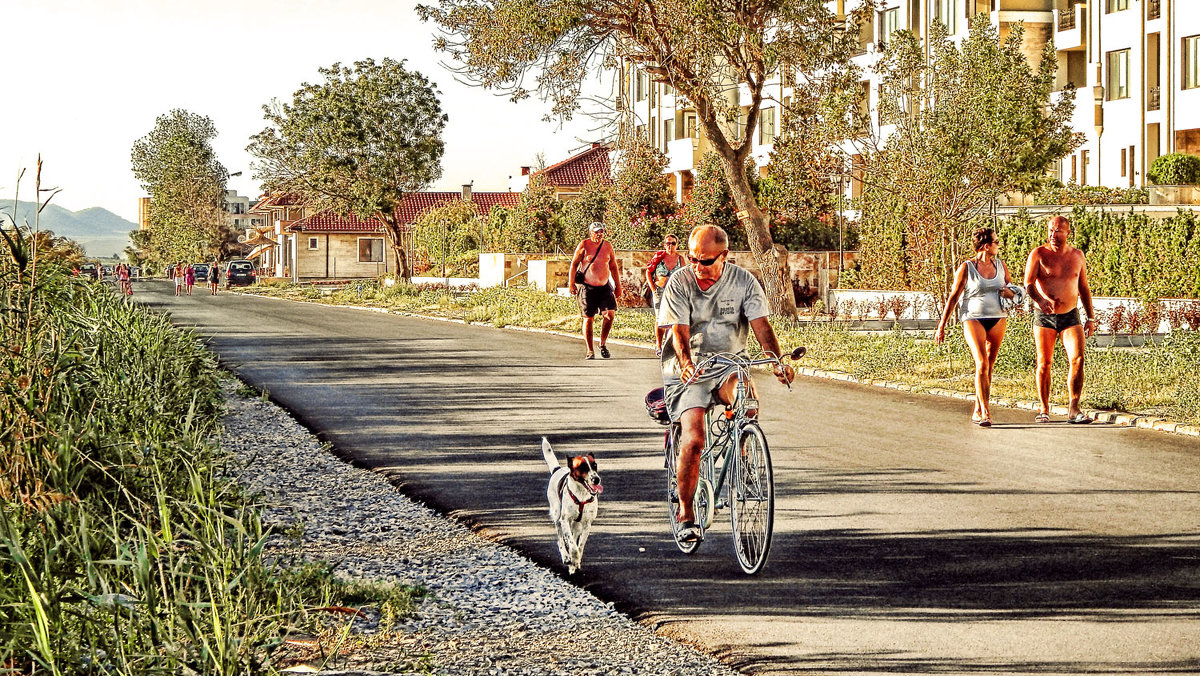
<point x="656" y="407"/>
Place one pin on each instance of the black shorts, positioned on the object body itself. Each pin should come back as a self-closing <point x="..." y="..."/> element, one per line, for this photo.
<point x="1058" y="322"/>
<point x="593" y="299"/>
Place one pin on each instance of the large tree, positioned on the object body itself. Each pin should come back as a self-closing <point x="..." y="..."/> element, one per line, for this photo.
<point x="972" y="121"/>
<point x="179" y="170"/>
<point x="357" y="142"/>
<point x="707" y="51"/>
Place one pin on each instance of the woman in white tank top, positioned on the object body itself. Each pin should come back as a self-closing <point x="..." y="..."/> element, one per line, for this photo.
<point x="979" y="284"/>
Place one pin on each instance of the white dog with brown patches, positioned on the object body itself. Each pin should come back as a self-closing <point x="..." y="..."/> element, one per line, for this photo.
<point x="573" y="495"/>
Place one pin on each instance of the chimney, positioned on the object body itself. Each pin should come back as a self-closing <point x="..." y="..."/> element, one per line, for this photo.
<point x="467" y="191"/>
<point x="524" y="171"/>
<point x="595" y="144"/>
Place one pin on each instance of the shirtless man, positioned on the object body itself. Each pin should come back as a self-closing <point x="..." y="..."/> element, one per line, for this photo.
<point x="1056" y="280"/>
<point x="595" y="259"/>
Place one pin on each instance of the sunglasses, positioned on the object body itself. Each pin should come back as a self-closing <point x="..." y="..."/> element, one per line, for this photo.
<point x="706" y="261"/>
<point x="671" y="242"/>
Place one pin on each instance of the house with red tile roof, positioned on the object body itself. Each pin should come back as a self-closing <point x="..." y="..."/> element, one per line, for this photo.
<point x="568" y="177"/>
<point x="325" y="245"/>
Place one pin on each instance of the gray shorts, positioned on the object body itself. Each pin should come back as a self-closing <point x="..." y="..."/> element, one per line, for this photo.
<point x="680" y="396"/>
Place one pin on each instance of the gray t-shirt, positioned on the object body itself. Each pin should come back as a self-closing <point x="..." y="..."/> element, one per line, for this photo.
<point x="719" y="317"/>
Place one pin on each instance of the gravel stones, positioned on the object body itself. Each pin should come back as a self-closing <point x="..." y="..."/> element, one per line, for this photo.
<point x="489" y="610"/>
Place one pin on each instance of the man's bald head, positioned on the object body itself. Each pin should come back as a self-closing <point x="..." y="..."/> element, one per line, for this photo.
<point x="1060" y="222"/>
<point x="710" y="235"/>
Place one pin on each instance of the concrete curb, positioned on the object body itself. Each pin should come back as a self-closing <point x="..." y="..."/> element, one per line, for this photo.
<point x="1109" y="417"/>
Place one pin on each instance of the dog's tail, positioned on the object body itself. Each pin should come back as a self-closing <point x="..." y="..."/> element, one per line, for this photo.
<point x="548" y="454"/>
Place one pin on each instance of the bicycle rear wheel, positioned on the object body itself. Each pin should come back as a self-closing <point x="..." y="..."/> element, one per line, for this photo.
<point x="671" y="449"/>
<point x="752" y="503"/>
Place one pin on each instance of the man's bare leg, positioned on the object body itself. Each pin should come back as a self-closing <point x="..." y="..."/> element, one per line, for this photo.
<point x="1073" y="340"/>
<point x="587" y="333"/>
<point x="687" y="471"/>
<point x="1044" y="339"/>
<point x="606" y="322"/>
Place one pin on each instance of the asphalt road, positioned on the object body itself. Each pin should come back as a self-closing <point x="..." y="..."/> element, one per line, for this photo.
<point x="907" y="540"/>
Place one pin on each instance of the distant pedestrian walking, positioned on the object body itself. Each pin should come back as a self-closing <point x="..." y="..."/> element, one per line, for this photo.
<point x="214" y="277"/>
<point x="189" y="278"/>
<point x="661" y="265"/>
<point x="179" y="275"/>
<point x="597" y="283"/>
<point x="1056" y="279"/>
<point x="981" y="284"/>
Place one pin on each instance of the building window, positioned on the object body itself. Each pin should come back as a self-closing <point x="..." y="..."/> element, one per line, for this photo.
<point x="947" y="13"/>
<point x="668" y="133"/>
<point x="641" y="86"/>
<point x="1118" y="75"/>
<point x="312" y="242"/>
<point x="691" y="129"/>
<point x="370" y="249"/>
<point x="889" y="22"/>
<point x="766" y="126"/>
<point x="1191" y="62"/>
<point x="1117" y="5"/>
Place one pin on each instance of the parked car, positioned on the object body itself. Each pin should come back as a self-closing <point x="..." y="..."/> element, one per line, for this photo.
<point x="240" y="273"/>
<point x="201" y="270"/>
<point x="87" y="270"/>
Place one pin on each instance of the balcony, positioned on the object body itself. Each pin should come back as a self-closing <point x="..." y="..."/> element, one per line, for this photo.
<point x="1153" y="98"/>
<point x="1153" y="9"/>
<point x="1066" y="19"/>
<point x="1070" y="26"/>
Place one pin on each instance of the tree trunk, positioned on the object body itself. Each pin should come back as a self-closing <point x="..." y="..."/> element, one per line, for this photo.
<point x="393" y="232"/>
<point x="771" y="257"/>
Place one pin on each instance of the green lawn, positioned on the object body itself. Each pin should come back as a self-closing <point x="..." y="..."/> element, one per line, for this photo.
<point x="1157" y="379"/>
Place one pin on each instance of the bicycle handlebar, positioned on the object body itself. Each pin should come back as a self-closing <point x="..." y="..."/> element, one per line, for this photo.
<point x="730" y="359"/>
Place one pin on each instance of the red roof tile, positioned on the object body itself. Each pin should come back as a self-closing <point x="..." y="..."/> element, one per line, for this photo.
<point x="576" y="170"/>
<point x="412" y="207"/>
<point x="276" y="200"/>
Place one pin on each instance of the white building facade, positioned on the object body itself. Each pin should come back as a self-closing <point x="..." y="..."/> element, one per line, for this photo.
<point x="1135" y="64"/>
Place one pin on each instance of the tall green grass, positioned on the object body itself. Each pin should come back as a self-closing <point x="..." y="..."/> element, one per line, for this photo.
<point x="122" y="550"/>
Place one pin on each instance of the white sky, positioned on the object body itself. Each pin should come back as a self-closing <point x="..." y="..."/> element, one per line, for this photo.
<point x="85" y="79"/>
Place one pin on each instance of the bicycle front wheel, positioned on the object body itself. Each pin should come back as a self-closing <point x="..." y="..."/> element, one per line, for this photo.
<point x="752" y="504"/>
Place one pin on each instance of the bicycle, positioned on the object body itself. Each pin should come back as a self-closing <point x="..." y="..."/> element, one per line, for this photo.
<point x="742" y="480"/>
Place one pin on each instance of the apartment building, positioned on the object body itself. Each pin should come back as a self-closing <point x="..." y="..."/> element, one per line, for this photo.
<point x="1135" y="64"/>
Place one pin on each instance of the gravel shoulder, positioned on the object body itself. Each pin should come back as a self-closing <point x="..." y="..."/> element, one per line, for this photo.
<point x="489" y="610"/>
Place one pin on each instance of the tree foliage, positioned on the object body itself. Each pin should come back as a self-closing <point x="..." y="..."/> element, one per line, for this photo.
<point x="705" y="51"/>
<point x="448" y="238"/>
<point x="357" y="142"/>
<point x="179" y="170"/>
<point x="535" y="224"/>
<point x="972" y="122"/>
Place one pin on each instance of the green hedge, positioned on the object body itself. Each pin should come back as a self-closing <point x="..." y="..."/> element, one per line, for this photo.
<point x="1128" y="254"/>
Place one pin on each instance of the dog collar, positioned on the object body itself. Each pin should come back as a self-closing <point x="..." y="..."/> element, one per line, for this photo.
<point x="562" y="488"/>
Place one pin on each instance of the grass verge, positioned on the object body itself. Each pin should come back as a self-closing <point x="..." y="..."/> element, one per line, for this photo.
<point x="122" y="550"/>
<point x="1156" y="379"/>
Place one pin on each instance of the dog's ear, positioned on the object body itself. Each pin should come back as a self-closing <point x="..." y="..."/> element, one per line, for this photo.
<point x="575" y="461"/>
<point x="591" y="457"/>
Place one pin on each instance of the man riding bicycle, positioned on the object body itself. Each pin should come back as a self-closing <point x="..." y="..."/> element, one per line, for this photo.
<point x="708" y="307"/>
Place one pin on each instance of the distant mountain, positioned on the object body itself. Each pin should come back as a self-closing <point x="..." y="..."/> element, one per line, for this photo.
<point x="98" y="230"/>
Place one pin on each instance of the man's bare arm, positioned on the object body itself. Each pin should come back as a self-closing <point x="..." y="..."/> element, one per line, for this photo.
<point x="574" y="266"/>
<point x="770" y="344"/>
<point x="1031" y="267"/>
<point x="681" y="338"/>
<point x="1085" y="294"/>
<point x="613" y="271"/>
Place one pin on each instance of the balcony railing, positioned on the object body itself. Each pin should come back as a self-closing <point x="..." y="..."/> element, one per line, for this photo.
<point x="1153" y="9"/>
<point x="1066" y="19"/>
<point x="1153" y="98"/>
